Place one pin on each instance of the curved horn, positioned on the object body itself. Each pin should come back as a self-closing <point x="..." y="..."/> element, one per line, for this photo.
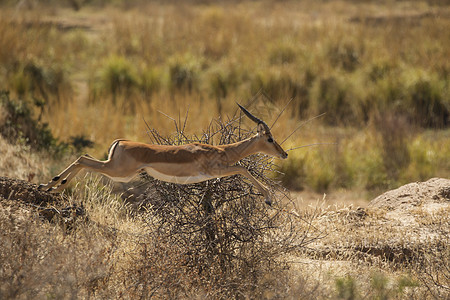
<point x="253" y="118"/>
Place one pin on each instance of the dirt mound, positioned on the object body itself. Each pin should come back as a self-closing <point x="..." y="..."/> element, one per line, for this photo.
<point x="51" y="207"/>
<point x="20" y="190"/>
<point x="413" y="195"/>
<point x="398" y="226"/>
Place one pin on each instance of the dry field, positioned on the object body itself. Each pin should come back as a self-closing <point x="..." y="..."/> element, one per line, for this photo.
<point x="379" y="72"/>
<point x="90" y="243"/>
<point x="75" y="75"/>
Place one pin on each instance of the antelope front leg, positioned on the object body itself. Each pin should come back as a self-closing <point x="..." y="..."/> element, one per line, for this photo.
<point x="238" y="170"/>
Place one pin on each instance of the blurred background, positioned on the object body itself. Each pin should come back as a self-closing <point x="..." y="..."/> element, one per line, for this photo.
<point x="75" y="75"/>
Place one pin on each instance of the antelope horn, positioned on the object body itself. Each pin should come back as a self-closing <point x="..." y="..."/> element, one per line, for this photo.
<point x="253" y="118"/>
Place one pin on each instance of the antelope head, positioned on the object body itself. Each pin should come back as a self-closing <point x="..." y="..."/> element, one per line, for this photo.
<point x="267" y="143"/>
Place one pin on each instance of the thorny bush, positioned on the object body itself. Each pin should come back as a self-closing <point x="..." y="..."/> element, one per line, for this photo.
<point x="220" y="232"/>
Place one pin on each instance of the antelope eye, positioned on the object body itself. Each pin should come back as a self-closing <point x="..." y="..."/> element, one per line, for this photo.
<point x="270" y="140"/>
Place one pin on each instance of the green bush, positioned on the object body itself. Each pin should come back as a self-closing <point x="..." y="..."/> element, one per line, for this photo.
<point x="429" y="109"/>
<point x="278" y="85"/>
<point x="18" y="124"/>
<point x="35" y="81"/>
<point x="381" y="287"/>
<point x="332" y="95"/>
<point x="346" y="288"/>
<point x="293" y="173"/>
<point x="119" y="77"/>
<point x="225" y="80"/>
<point x="320" y="171"/>
<point x="345" y="55"/>
<point x="429" y="157"/>
<point x="151" y="81"/>
<point x="394" y="131"/>
<point x="184" y="74"/>
<point x="282" y="54"/>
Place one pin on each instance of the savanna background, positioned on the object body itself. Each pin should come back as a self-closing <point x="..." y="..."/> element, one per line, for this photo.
<point x="75" y="75"/>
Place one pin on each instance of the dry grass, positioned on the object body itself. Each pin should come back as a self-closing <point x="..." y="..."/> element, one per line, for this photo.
<point x="215" y="240"/>
<point x="98" y="73"/>
<point x="17" y="161"/>
<point x="116" y="252"/>
<point x="167" y="249"/>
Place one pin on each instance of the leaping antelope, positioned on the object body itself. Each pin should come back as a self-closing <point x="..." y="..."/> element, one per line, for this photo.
<point x="182" y="164"/>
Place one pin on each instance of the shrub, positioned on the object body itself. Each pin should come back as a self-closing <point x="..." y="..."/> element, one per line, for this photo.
<point x="375" y="176"/>
<point x="119" y="77"/>
<point x="151" y="81"/>
<point x="282" y="54"/>
<point x="320" y="171"/>
<point x="428" y="153"/>
<point x="332" y="95"/>
<point x="293" y="173"/>
<point x="394" y="131"/>
<point x="183" y="73"/>
<point x="381" y="287"/>
<point x="224" y="81"/>
<point x="346" y="172"/>
<point x="220" y="236"/>
<point x="428" y="104"/>
<point x="345" y="55"/>
<point x="346" y="288"/>
<point x="279" y="84"/>
<point x="379" y="71"/>
<point x="18" y="123"/>
<point x="47" y="85"/>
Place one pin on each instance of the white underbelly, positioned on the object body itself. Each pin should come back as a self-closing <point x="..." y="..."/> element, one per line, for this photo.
<point x="122" y="179"/>
<point x="178" y="179"/>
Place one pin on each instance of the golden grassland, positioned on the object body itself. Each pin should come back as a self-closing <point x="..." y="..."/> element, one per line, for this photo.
<point x="379" y="70"/>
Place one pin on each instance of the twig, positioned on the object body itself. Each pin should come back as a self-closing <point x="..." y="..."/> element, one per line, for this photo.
<point x="281" y="112"/>
<point x="301" y="125"/>
<point x="310" y="145"/>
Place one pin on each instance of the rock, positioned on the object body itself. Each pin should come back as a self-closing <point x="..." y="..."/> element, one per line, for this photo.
<point x="402" y="226"/>
<point x="417" y="194"/>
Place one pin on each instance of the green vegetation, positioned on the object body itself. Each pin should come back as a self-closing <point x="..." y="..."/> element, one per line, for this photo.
<point x="386" y="95"/>
<point x="381" y="287"/>
<point x="20" y="126"/>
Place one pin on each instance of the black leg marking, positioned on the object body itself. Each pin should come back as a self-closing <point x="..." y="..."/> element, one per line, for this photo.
<point x="49" y="190"/>
<point x="41" y="186"/>
<point x="64" y="181"/>
<point x="56" y="178"/>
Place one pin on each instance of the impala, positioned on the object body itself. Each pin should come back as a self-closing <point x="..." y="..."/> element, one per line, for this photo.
<point x="184" y="164"/>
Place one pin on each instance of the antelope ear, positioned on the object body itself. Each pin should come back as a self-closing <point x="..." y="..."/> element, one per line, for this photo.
<point x="261" y="128"/>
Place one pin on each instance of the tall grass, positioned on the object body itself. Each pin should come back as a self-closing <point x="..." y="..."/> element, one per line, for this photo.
<point x="354" y="60"/>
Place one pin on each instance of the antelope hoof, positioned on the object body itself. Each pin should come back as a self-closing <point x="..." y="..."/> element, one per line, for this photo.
<point x="41" y="186"/>
<point x="268" y="202"/>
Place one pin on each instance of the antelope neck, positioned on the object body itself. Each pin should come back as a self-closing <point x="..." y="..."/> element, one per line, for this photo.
<point x="239" y="150"/>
